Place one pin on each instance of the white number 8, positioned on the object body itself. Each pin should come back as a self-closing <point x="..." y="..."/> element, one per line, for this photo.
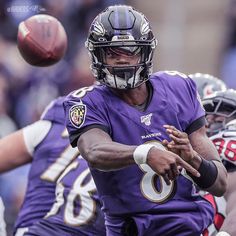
<point x="148" y="188"/>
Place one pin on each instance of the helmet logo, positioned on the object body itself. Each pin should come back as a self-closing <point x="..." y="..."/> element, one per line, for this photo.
<point x="77" y="115"/>
<point x="122" y="38"/>
<point x="208" y="90"/>
<point x="145" y="27"/>
<point x="98" y="29"/>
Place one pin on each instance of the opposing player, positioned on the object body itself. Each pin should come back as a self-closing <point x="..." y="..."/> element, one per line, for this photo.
<point x="221" y="126"/>
<point x="46" y="145"/>
<point x="180" y="145"/>
<point x="118" y="128"/>
<point x="207" y="84"/>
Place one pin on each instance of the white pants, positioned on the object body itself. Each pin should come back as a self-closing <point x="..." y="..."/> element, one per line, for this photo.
<point x="21" y="231"/>
<point x="2" y="221"/>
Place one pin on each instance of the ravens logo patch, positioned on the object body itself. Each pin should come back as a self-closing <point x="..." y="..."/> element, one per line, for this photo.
<point x="77" y="115"/>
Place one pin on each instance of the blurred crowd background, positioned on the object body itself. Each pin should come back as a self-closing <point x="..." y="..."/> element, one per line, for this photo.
<point x="193" y="36"/>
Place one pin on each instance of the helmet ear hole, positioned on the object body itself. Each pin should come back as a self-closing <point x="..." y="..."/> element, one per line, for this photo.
<point x="126" y="39"/>
<point x="101" y="39"/>
<point x="144" y="38"/>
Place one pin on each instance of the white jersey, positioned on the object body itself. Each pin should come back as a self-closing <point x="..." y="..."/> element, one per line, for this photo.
<point x="219" y="204"/>
<point x="2" y="221"/>
<point x="35" y="133"/>
<point x="225" y="142"/>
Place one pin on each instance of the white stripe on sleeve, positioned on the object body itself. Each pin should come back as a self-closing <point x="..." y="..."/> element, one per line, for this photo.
<point x="35" y="133"/>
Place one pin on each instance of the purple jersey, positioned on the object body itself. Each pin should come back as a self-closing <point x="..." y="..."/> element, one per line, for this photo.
<point x="50" y="158"/>
<point x="76" y="210"/>
<point x="138" y="189"/>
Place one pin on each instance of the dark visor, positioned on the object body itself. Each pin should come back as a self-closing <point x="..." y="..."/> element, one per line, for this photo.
<point x="124" y="51"/>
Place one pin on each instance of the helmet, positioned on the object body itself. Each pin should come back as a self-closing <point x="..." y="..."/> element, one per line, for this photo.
<point x="207" y="84"/>
<point x="221" y="104"/>
<point x="122" y="30"/>
<point x="231" y="126"/>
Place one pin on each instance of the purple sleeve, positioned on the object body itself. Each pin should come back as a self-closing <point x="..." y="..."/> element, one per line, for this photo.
<point x="197" y="110"/>
<point x="54" y="111"/>
<point x="191" y="111"/>
<point x="182" y="96"/>
<point x="83" y="114"/>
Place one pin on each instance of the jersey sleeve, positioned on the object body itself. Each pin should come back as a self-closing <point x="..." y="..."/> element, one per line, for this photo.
<point x="197" y="118"/>
<point x="34" y="134"/>
<point x="182" y="96"/>
<point x="83" y="114"/>
<point x="54" y="111"/>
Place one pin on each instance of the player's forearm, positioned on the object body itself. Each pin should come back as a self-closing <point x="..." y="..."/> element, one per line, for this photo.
<point x="13" y="152"/>
<point x="220" y="185"/>
<point x="97" y="147"/>
<point x="7" y="164"/>
<point x="214" y="173"/>
<point x="108" y="156"/>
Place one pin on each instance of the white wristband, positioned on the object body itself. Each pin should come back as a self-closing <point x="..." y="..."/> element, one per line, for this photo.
<point x="222" y="233"/>
<point x="141" y="152"/>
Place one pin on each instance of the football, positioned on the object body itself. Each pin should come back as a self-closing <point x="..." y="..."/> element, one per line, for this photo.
<point x="41" y="40"/>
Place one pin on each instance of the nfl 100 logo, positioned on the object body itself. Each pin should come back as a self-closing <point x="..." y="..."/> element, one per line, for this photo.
<point x="146" y="119"/>
<point x="77" y="115"/>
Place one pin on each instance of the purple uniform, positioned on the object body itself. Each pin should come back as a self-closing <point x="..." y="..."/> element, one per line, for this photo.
<point x="76" y="210"/>
<point x="50" y="159"/>
<point x="137" y="192"/>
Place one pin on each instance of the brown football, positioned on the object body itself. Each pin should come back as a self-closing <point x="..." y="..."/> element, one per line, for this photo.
<point x="41" y="40"/>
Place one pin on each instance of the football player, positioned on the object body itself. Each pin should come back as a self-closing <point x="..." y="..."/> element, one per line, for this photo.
<point x="76" y="209"/>
<point x="46" y="145"/>
<point x="118" y="127"/>
<point x="221" y="127"/>
<point x="207" y="84"/>
<point x="180" y="145"/>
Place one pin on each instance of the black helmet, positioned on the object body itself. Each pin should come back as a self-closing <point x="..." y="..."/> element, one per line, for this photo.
<point x="207" y="84"/>
<point x="221" y="103"/>
<point x="121" y="29"/>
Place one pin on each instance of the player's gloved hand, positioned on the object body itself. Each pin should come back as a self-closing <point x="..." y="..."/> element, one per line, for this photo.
<point x="168" y="164"/>
<point x="180" y="143"/>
